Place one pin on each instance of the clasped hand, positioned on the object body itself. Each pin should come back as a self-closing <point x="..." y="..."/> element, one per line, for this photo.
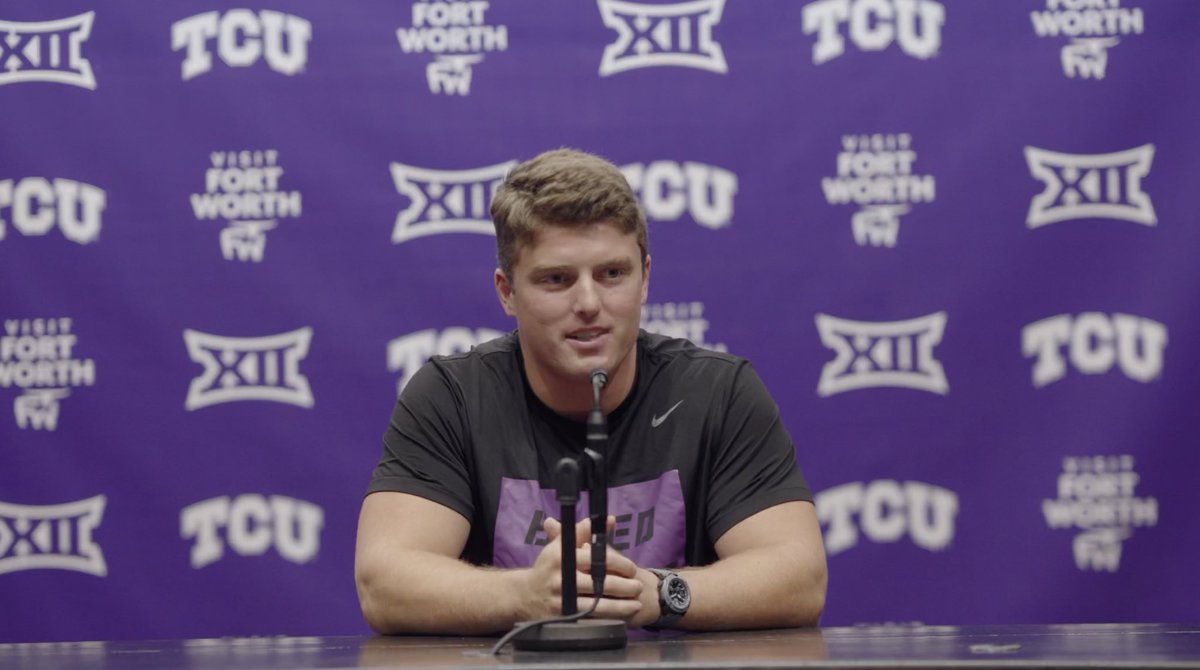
<point x="625" y="585"/>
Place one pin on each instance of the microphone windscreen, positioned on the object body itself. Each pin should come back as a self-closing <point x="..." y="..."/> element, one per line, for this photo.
<point x="600" y="376"/>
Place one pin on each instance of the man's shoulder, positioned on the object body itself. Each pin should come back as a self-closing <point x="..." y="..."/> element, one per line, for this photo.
<point x="498" y="357"/>
<point x="663" y="350"/>
<point x="494" y="350"/>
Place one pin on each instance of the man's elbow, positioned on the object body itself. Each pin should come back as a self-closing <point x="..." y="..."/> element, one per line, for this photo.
<point x="373" y="612"/>
<point x="808" y="599"/>
<point x="810" y="605"/>
<point x="374" y="617"/>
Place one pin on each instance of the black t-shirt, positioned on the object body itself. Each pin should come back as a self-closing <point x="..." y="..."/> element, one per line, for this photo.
<point x="697" y="447"/>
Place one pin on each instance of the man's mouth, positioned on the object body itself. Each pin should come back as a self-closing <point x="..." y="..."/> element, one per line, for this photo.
<point x="585" y="335"/>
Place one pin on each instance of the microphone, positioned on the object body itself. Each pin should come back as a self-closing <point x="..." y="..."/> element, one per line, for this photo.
<point x="566" y="486"/>
<point x="599" y="381"/>
<point x="571" y="631"/>
<point x="596" y="451"/>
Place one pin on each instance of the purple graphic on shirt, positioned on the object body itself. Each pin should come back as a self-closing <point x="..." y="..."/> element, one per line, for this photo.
<point x="650" y="530"/>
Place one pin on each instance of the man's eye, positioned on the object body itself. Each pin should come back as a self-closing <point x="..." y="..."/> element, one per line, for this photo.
<point x="553" y="279"/>
<point x="614" y="273"/>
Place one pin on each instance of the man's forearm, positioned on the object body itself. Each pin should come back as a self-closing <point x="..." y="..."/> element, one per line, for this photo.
<point x="776" y="586"/>
<point x="421" y="592"/>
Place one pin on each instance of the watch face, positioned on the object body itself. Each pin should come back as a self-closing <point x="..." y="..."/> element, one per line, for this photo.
<point x="678" y="596"/>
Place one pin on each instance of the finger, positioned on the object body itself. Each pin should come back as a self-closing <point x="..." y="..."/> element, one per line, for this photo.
<point x="552" y="528"/>
<point x="616" y="563"/>
<point x="622" y="587"/>
<point x="583" y="583"/>
<point x="583" y="557"/>
<point x="584" y="526"/>
<point x="616" y="586"/>
<point x="611" y="608"/>
<point x="548" y="564"/>
<point x="583" y="532"/>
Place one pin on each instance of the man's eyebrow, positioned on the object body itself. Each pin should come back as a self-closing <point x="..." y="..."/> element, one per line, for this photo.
<point x="618" y="261"/>
<point x="543" y="269"/>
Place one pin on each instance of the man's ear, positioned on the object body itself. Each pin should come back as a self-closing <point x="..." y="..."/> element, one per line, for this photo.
<point x="504" y="291"/>
<point x="646" y="279"/>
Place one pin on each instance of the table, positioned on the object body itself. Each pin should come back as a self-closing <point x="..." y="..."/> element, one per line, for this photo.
<point x="861" y="647"/>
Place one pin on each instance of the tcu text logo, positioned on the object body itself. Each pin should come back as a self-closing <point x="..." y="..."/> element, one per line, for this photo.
<point x="36" y="205"/>
<point x="876" y="173"/>
<point x="253" y="524"/>
<point x="873" y="25"/>
<point x="668" y="189"/>
<point x="887" y="510"/>
<point x="52" y="537"/>
<point x="884" y="353"/>
<point x="249" y="368"/>
<point x="1096" y="341"/>
<point x="242" y="38"/>
<point x="242" y="187"/>
<point x="1093" y="26"/>
<point x="455" y="31"/>
<point x="50" y="51"/>
<point x="1080" y="186"/>
<point x="36" y="355"/>
<point x="684" y="320"/>
<point x="1095" y="495"/>
<point x="406" y="354"/>
<point x="445" y="201"/>
<point x="677" y="34"/>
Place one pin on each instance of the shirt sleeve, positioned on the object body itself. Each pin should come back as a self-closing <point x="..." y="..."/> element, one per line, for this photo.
<point x="424" y="448"/>
<point x="754" y="466"/>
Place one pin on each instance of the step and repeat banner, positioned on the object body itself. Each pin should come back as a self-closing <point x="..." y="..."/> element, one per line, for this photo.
<point x="957" y="239"/>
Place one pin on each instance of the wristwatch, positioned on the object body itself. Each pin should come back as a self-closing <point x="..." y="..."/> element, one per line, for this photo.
<point x="674" y="598"/>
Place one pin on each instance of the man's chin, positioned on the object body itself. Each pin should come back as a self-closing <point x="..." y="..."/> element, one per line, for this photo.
<point x="581" y="368"/>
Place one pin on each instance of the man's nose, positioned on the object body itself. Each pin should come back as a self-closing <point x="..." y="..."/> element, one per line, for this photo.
<point x="587" y="296"/>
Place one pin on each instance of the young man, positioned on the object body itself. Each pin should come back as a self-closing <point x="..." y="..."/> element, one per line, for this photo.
<point x="457" y="533"/>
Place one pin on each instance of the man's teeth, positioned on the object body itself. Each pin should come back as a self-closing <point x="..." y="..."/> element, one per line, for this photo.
<point x="586" y="337"/>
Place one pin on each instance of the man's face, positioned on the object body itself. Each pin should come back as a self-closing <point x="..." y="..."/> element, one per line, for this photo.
<point x="577" y="293"/>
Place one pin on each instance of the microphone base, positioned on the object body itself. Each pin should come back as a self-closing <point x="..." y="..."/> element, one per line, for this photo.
<point x="581" y="635"/>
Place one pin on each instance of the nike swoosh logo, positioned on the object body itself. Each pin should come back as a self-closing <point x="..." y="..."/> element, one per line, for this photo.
<point x="656" y="421"/>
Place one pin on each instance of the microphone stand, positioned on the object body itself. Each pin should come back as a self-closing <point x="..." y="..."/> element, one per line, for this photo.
<point x="567" y="488"/>
<point x="572" y="632"/>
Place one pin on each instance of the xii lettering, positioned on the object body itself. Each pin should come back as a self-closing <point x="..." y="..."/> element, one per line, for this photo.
<point x="662" y="35"/>
<point x="253" y="368"/>
<point x="48" y="51"/>
<point x="667" y="33"/>
<point x="445" y="201"/>
<point x="52" y="537"/>
<point x="1078" y="186"/>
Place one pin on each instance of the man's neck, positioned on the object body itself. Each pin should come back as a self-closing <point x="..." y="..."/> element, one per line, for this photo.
<point x="573" y="398"/>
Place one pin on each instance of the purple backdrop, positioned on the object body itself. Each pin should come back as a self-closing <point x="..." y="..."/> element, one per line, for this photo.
<point x="955" y="239"/>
